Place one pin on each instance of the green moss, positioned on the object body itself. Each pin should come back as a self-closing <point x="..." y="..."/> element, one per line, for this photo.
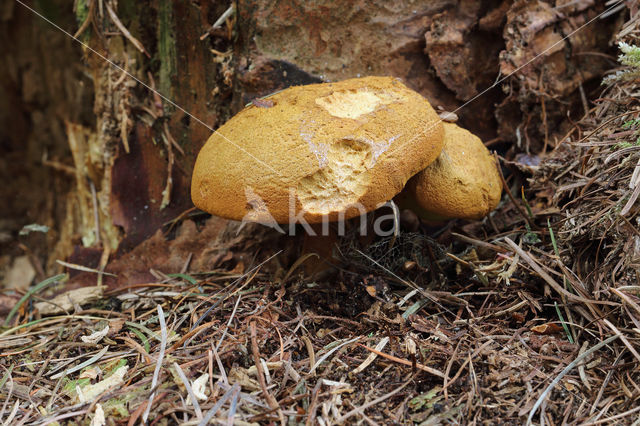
<point x="81" y="10"/>
<point x="69" y="385"/>
<point x="633" y="123"/>
<point x="117" y="407"/>
<point x="426" y="400"/>
<point x="630" y="57"/>
<point x="166" y="48"/>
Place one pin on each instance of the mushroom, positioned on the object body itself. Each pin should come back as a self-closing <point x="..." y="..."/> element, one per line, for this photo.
<point x="463" y="182"/>
<point x="333" y="151"/>
<point x="317" y="153"/>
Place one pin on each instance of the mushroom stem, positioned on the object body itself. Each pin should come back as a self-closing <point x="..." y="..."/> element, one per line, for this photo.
<point x="321" y="244"/>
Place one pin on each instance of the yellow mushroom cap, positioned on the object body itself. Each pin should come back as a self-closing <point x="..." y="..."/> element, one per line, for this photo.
<point x="323" y="152"/>
<point x="463" y="182"/>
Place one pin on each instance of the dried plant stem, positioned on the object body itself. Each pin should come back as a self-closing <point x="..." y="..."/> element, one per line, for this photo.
<point x="564" y="372"/>
<point x="263" y="385"/>
<point x="557" y="287"/>
<point x="429" y="370"/>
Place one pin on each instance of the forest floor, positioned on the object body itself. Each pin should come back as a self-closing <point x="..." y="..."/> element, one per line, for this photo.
<point x="531" y="316"/>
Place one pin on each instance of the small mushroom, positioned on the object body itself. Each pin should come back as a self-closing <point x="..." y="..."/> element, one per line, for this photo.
<point x="463" y="182"/>
<point x="321" y="152"/>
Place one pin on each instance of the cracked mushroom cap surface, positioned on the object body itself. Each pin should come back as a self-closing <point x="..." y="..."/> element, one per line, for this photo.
<point x="463" y="182"/>
<point x="318" y="152"/>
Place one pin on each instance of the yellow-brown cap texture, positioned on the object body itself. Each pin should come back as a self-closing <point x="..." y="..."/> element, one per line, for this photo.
<point x="322" y="151"/>
<point x="463" y="182"/>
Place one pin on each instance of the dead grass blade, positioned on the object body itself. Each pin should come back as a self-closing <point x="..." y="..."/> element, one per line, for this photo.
<point x="557" y="287"/>
<point x="564" y="372"/>
<point x="187" y="385"/>
<point x="156" y="371"/>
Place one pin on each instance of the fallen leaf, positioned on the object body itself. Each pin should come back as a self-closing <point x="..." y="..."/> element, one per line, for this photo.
<point x="89" y="392"/>
<point x="66" y="301"/>
<point x="199" y="386"/>
<point x="548" y="328"/>
<point x="90" y="373"/>
<point x="96" y="336"/>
